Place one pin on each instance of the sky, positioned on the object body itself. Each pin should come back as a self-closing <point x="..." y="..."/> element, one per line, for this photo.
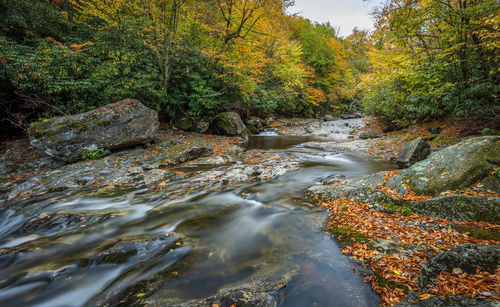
<point x="342" y="14"/>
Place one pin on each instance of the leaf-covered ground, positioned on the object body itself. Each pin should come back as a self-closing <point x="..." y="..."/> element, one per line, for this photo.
<point x="412" y="241"/>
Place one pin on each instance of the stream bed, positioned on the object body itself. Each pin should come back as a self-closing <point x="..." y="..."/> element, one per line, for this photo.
<point x="111" y="247"/>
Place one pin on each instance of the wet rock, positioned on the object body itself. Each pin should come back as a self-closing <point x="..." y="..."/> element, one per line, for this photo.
<point x="155" y="175"/>
<point x="122" y="124"/>
<point x="245" y="297"/>
<point x="413" y="151"/>
<point x="466" y="257"/>
<point x="329" y="118"/>
<point x="229" y="123"/>
<point x="221" y="159"/>
<point x="358" y="188"/>
<point x="167" y="154"/>
<point x="368" y="135"/>
<point x="59" y="222"/>
<point x="8" y="259"/>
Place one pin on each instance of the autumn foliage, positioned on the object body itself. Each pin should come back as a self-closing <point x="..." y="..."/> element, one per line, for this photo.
<point x="415" y="240"/>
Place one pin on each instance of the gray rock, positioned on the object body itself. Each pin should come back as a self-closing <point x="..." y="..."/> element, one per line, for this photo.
<point x="254" y="124"/>
<point x="186" y="123"/>
<point x="221" y="159"/>
<point x="413" y="151"/>
<point x="453" y="167"/>
<point x="229" y="123"/>
<point x="351" y="116"/>
<point x="183" y="123"/>
<point x="328" y="118"/>
<point x="368" y="135"/>
<point x="466" y="257"/>
<point x="459" y="208"/>
<point x="119" y="125"/>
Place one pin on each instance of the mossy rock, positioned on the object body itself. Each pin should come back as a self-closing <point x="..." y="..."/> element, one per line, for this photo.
<point x="455" y="167"/>
<point x="119" y="125"/>
<point x="229" y="123"/>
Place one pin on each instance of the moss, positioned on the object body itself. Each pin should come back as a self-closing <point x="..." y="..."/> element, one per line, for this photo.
<point x="101" y="122"/>
<point x="385" y="283"/>
<point x="478" y="233"/>
<point x="56" y="189"/>
<point x="37" y="128"/>
<point x="402" y="209"/>
<point x="58" y="126"/>
<point x="93" y="154"/>
<point x="346" y="235"/>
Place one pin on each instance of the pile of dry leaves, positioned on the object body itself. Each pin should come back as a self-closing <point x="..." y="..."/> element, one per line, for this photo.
<point x="416" y="239"/>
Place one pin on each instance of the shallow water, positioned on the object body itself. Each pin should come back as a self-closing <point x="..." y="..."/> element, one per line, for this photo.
<point x="114" y="245"/>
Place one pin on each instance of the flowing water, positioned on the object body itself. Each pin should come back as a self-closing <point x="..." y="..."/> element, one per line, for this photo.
<point x="108" y="247"/>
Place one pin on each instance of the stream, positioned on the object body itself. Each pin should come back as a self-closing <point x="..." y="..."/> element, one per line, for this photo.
<point x="116" y="247"/>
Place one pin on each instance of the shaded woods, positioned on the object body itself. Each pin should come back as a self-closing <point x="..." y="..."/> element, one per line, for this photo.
<point x="426" y="59"/>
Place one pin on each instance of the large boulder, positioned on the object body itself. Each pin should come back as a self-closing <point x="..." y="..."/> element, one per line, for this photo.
<point x="229" y="123"/>
<point x="413" y="151"/>
<point x="122" y="124"/>
<point x="454" y="167"/>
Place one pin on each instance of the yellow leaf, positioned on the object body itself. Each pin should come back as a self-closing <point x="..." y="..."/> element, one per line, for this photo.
<point x="425" y="296"/>
<point x="457" y="271"/>
<point x="140" y="295"/>
<point x="396" y="272"/>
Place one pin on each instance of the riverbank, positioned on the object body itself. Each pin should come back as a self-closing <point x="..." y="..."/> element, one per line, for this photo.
<point x="389" y="241"/>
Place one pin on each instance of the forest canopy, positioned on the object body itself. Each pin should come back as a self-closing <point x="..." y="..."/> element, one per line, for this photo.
<point x="425" y="59"/>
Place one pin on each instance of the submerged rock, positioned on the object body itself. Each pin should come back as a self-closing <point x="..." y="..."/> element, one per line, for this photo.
<point x="119" y="125"/>
<point x="413" y="151"/>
